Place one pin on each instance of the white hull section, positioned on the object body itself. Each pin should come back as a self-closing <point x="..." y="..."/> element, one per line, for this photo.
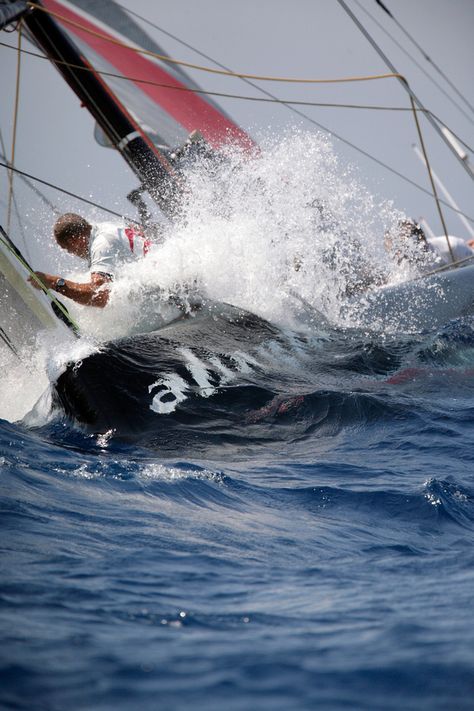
<point x="423" y="304"/>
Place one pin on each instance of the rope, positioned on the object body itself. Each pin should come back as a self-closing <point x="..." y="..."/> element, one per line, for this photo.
<point x="439" y="270"/>
<point x="280" y="79"/>
<point x="446" y="267"/>
<point x="201" y="68"/>
<point x="425" y="55"/>
<point x="149" y="82"/>
<point x="420" y="67"/>
<point x="15" y="202"/>
<point x="11" y="195"/>
<point x="55" y="210"/>
<point x="299" y="113"/>
<point x="241" y="75"/>
<point x="77" y="197"/>
<point x="15" y="123"/>
<point x="274" y="100"/>
<point x="284" y="101"/>
<point x="413" y="99"/>
<point x="433" y="186"/>
<point x="405" y="84"/>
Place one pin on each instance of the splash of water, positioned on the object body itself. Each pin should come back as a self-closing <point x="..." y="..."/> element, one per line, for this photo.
<point x="291" y="226"/>
<point x="255" y="232"/>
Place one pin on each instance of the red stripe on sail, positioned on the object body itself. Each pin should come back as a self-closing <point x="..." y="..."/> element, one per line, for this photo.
<point x="187" y="108"/>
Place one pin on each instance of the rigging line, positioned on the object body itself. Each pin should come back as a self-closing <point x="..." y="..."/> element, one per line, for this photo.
<point x="15" y="201"/>
<point x="37" y="192"/>
<point x="129" y="219"/>
<point x="85" y="200"/>
<point x="3" y="154"/>
<point x="288" y="106"/>
<point x="439" y="270"/>
<point x="420" y="67"/>
<point x="6" y="339"/>
<point x="405" y="84"/>
<point x="433" y="186"/>
<point x="189" y="65"/>
<point x="349" y="143"/>
<point x="425" y="55"/>
<point x="332" y="133"/>
<point x="287" y="102"/>
<point x="263" y="91"/>
<point x="149" y="82"/>
<point x="136" y="80"/>
<point x="113" y="134"/>
<point x="339" y="137"/>
<point x="446" y="267"/>
<point x="113" y="131"/>
<point x="395" y="74"/>
<point x="15" y="123"/>
<point x="11" y="195"/>
<point x="20" y="223"/>
<point x="255" y="86"/>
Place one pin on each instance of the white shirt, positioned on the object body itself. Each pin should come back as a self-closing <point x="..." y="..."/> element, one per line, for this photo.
<point x="112" y="245"/>
<point x="461" y="250"/>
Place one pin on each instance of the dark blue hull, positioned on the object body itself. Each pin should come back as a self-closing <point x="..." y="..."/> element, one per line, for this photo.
<point x="206" y="369"/>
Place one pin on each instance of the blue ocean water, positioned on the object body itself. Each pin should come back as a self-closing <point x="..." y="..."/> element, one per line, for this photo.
<point x="319" y="555"/>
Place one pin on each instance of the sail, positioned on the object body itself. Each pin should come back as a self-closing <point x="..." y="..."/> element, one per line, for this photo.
<point x="158" y="94"/>
<point x="34" y="309"/>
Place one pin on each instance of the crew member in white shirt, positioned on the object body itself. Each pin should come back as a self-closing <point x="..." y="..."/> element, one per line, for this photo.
<point x="411" y="245"/>
<point x="105" y="245"/>
<point x="460" y="249"/>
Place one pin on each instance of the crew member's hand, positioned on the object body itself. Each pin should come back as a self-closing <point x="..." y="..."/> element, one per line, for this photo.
<point x="471" y="243"/>
<point x="47" y="279"/>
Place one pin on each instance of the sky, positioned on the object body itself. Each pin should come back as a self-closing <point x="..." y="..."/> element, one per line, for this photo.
<point x="304" y="38"/>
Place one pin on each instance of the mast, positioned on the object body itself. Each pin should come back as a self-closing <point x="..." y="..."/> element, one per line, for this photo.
<point x="151" y="166"/>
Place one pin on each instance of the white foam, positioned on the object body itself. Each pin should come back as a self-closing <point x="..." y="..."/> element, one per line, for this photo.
<point x="250" y="222"/>
<point x="23" y="381"/>
<point x="251" y="236"/>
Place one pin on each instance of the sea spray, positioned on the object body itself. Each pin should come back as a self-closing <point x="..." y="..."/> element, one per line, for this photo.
<point x="23" y="381"/>
<point x="256" y="230"/>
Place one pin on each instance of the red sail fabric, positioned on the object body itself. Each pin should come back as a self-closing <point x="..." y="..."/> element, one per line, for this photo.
<point x="166" y="113"/>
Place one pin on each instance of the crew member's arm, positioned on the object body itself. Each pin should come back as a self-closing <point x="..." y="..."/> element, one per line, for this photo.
<point x="92" y="293"/>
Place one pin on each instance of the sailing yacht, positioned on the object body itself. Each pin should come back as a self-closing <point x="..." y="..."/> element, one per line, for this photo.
<point x="147" y="108"/>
